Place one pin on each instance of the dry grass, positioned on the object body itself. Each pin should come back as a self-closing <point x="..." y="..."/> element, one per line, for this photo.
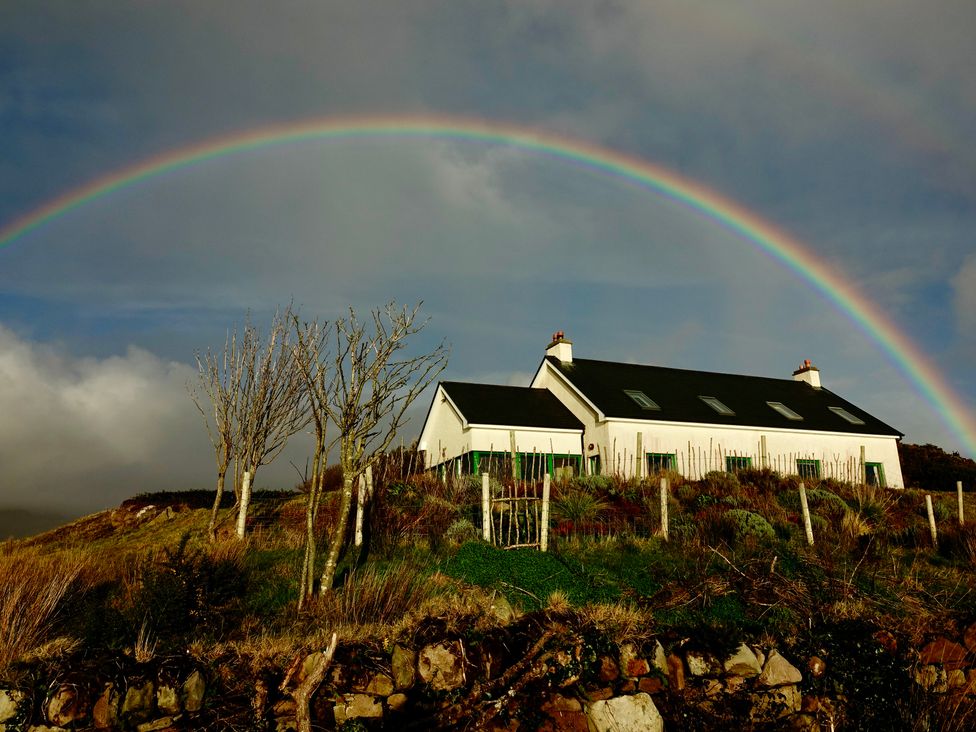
<point x="32" y="589"/>
<point x="618" y="621"/>
<point x="375" y="596"/>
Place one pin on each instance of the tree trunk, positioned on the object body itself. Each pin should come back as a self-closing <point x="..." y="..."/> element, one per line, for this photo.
<point x="306" y="587"/>
<point x="245" y="504"/>
<point x="339" y="533"/>
<point x="212" y="526"/>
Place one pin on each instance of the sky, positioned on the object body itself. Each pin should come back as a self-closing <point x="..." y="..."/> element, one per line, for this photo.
<point x="846" y="125"/>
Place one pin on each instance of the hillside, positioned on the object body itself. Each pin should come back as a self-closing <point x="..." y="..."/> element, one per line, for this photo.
<point x="138" y="587"/>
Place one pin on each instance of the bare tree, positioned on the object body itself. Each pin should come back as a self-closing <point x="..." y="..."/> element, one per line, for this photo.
<point x="312" y="360"/>
<point x="219" y="379"/>
<point x="272" y="405"/>
<point x="373" y="384"/>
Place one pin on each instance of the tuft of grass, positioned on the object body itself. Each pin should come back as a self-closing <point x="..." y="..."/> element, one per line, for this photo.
<point x="376" y="595"/>
<point x="32" y="591"/>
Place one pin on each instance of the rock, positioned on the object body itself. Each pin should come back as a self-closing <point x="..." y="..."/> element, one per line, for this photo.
<point x="167" y="699"/>
<point x="45" y="728"/>
<point x="156" y="725"/>
<point x="66" y="706"/>
<point x="635" y="713"/>
<point x="357" y="706"/>
<point x="742" y="663"/>
<point x="956" y="678"/>
<point x="776" y="703"/>
<point x="600" y="694"/>
<point x="659" y="660"/>
<point x="632" y="665"/>
<point x="734" y="684"/>
<point x="404" y="663"/>
<point x="760" y="656"/>
<point x="501" y="608"/>
<point x="816" y="666"/>
<point x="713" y="687"/>
<point x="560" y="703"/>
<point x="441" y="666"/>
<point x="944" y="651"/>
<point x="397" y="702"/>
<point x="608" y="670"/>
<point x="650" y="684"/>
<point x="194" y="689"/>
<point x="10" y="702"/>
<point x="969" y="638"/>
<point x="564" y="713"/>
<point x="810" y="704"/>
<point x="376" y="685"/>
<point x="932" y="678"/>
<point x="138" y="701"/>
<point x="702" y="664"/>
<point x="779" y="672"/>
<point x="676" y="673"/>
<point x="105" y="713"/>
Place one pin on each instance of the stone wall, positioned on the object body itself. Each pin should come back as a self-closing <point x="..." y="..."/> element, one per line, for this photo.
<point x="539" y="674"/>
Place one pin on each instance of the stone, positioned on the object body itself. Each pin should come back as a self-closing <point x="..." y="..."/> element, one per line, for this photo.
<point x="760" y="656"/>
<point x="734" y="684"/>
<point x="194" y="689"/>
<point x="167" y="699"/>
<point x="702" y="664"/>
<point x="635" y="713"/>
<point x="816" y="666"/>
<point x="969" y="638"/>
<point x="138" y="701"/>
<point x="10" y="701"/>
<point x="560" y="703"/>
<point x="932" y="678"/>
<point x="357" y="706"/>
<point x="397" y="702"/>
<point x="376" y="685"/>
<point x="156" y="725"/>
<point x="779" y="672"/>
<point x="713" y="687"/>
<point x="956" y="678"/>
<point x="501" y="608"/>
<point x="659" y="659"/>
<point x="632" y="664"/>
<point x="600" y="694"/>
<point x="404" y="666"/>
<point x="942" y="650"/>
<point x="441" y="666"/>
<point x="608" y="670"/>
<point x="742" y="663"/>
<point x="66" y="706"/>
<point x="776" y="703"/>
<point x="650" y="684"/>
<point x="676" y="673"/>
<point x="810" y="704"/>
<point x="105" y="713"/>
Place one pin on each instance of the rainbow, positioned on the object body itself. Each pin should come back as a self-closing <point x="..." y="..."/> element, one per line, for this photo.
<point x="767" y="238"/>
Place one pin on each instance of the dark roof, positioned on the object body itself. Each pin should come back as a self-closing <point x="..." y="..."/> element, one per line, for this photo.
<point x="677" y="392"/>
<point x="516" y="406"/>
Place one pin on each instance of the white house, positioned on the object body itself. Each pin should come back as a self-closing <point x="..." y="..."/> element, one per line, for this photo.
<point x="584" y="415"/>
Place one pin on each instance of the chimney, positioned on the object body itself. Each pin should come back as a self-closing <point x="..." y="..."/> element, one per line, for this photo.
<point x="808" y="373"/>
<point x="560" y="348"/>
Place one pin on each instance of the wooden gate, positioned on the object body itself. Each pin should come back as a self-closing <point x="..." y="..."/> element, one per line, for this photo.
<point x="515" y="515"/>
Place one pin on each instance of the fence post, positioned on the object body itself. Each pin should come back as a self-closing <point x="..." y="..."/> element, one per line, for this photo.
<point x="962" y="516"/>
<point x="931" y="512"/>
<point x="664" y="508"/>
<point x="511" y="441"/>
<point x="807" y="525"/>
<point x="485" y="507"/>
<point x="544" y="529"/>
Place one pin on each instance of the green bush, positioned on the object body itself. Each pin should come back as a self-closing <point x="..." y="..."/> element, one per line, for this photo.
<point x="820" y="501"/>
<point x="578" y="506"/>
<point x="461" y="531"/>
<point x="592" y="483"/>
<point x="746" y="526"/>
<point x="718" y="483"/>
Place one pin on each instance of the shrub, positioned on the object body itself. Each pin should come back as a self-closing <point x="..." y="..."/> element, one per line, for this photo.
<point x="593" y="483"/>
<point x="578" y="506"/>
<point x="749" y="526"/>
<point x="461" y="531"/>
<point x="820" y="501"/>
<point x="718" y="483"/>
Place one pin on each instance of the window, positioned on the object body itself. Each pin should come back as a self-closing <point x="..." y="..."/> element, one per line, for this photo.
<point x="734" y="463"/>
<point x="642" y="400"/>
<point x="717" y="405"/>
<point x="808" y="469"/>
<point x="532" y="465"/>
<point x="785" y="411"/>
<point x="874" y="474"/>
<point x="658" y="461"/>
<point x="841" y="412"/>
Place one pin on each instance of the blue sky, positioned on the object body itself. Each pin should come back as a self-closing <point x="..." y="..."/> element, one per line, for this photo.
<point x="846" y="124"/>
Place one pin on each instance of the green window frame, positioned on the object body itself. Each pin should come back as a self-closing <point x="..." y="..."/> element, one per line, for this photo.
<point x="874" y="474"/>
<point x="808" y="468"/>
<point x="595" y="465"/>
<point x="735" y="463"/>
<point x="658" y="461"/>
<point x="528" y="465"/>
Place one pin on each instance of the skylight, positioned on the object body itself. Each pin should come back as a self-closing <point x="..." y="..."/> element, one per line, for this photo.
<point x="717" y="405"/>
<point x="841" y="412"/>
<point x="785" y="411"/>
<point x="642" y="400"/>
